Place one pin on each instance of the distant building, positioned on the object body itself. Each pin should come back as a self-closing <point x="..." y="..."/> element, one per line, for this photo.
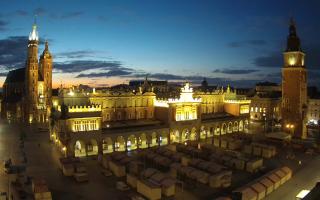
<point x="313" y="114"/>
<point x="27" y="91"/>
<point x="294" y="86"/>
<point x="266" y="104"/>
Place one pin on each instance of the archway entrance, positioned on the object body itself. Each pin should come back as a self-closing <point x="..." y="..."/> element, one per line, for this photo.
<point x="143" y="142"/>
<point x="153" y="139"/>
<point x="193" y="135"/>
<point x="185" y="135"/>
<point x="246" y="125"/>
<point x="163" y="139"/>
<point x="224" y="129"/>
<point x="131" y="143"/>
<point x="120" y="144"/>
<point x="107" y="145"/>
<point x="175" y="136"/>
<point x="241" y="125"/>
<point x="230" y="127"/>
<point x="80" y="149"/>
<point x="203" y="133"/>
<point x="92" y="147"/>
<point x="235" y="127"/>
<point x="217" y="131"/>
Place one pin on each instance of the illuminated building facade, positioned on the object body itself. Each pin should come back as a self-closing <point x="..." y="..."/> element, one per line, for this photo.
<point x="313" y="114"/>
<point x="294" y="87"/>
<point x="27" y="91"/>
<point x="266" y="104"/>
<point x="103" y="121"/>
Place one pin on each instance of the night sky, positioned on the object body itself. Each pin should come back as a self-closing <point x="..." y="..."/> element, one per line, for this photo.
<point x="102" y="43"/>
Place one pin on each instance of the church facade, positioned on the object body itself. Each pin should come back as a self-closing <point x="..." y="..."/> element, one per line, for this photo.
<point x="27" y="91"/>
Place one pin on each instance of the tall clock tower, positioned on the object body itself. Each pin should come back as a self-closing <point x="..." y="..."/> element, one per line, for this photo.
<point x="294" y="86"/>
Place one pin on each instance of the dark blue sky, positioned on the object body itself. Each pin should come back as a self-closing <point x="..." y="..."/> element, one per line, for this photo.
<point x="110" y="42"/>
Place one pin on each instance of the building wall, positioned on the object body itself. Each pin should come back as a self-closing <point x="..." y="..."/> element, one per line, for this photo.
<point x="211" y="102"/>
<point x="125" y="106"/>
<point x="313" y="114"/>
<point x="265" y="109"/>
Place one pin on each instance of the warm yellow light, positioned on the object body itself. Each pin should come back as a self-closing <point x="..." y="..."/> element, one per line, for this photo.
<point x="302" y="194"/>
<point x="291" y="126"/>
<point x="292" y="61"/>
<point x="64" y="148"/>
<point x="71" y="93"/>
<point x="55" y="103"/>
<point x="56" y="140"/>
<point x="288" y="125"/>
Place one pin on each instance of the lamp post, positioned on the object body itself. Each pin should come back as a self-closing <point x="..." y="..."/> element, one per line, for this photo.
<point x="290" y="127"/>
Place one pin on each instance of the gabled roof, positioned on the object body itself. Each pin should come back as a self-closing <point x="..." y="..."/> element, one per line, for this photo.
<point x="15" y="76"/>
<point x="18" y="76"/>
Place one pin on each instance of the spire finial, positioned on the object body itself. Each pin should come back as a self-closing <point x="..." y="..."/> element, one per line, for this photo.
<point x="35" y="19"/>
<point x="34" y="33"/>
<point x="46" y="46"/>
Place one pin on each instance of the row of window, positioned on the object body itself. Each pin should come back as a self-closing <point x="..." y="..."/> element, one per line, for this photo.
<point x="123" y="103"/>
<point x="138" y="115"/>
<point x="85" y="125"/>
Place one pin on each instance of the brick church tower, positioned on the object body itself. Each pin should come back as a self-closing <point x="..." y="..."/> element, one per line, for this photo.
<point x="31" y="80"/>
<point x="294" y="86"/>
<point x="45" y="70"/>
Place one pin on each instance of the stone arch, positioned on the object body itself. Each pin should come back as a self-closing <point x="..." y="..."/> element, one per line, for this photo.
<point x="107" y="145"/>
<point x="241" y="125"/>
<point x="229" y="130"/>
<point x="154" y="140"/>
<point x="163" y="138"/>
<point x="92" y="147"/>
<point x="217" y="130"/>
<point x="132" y="143"/>
<point x="143" y="141"/>
<point x="175" y="136"/>
<point x="185" y="135"/>
<point x="193" y="134"/>
<point x="203" y="133"/>
<point x="80" y="149"/>
<point x="120" y="144"/>
<point x="210" y="132"/>
<point x="246" y="125"/>
<point x="224" y="129"/>
<point x="235" y="126"/>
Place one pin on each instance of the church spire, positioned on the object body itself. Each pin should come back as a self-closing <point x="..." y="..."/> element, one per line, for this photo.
<point x="33" y="36"/>
<point x="293" y="41"/>
<point x="46" y="46"/>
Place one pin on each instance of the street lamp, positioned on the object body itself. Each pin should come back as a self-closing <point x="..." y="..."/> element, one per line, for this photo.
<point x="290" y="127"/>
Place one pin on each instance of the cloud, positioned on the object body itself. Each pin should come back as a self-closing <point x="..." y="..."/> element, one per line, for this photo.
<point x="275" y="58"/>
<point x="110" y="73"/>
<point x="22" y="13"/>
<point x="66" y="15"/>
<point x="3" y="25"/>
<point x="13" y="51"/>
<point x="71" y="15"/>
<point x="3" y="74"/>
<point x="77" y="54"/>
<point x="235" y="71"/>
<point x="247" y="43"/>
<point x="82" y="65"/>
<point x="39" y="11"/>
